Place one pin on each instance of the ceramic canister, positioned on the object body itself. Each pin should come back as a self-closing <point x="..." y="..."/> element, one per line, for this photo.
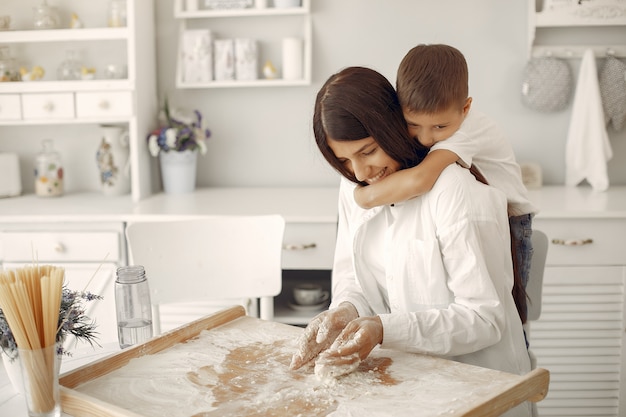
<point x="113" y="160"/>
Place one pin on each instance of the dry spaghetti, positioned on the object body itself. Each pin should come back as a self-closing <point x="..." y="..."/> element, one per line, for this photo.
<point x="30" y="298"/>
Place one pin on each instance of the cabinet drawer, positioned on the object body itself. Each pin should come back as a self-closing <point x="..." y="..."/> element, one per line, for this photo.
<point x="102" y="104"/>
<point x="10" y="107"/>
<point x="309" y="245"/>
<point x="18" y="246"/>
<point x="584" y="241"/>
<point x="48" y="106"/>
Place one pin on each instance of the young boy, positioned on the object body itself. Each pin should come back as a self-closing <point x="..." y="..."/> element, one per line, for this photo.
<point x="432" y="85"/>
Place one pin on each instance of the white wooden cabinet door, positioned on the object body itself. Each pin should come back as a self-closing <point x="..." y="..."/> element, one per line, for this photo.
<point x="90" y="254"/>
<point x="580" y="336"/>
<point x="579" y="339"/>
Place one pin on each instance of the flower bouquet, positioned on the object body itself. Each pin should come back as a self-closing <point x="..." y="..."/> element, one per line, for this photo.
<point x="179" y="133"/>
<point x="176" y="143"/>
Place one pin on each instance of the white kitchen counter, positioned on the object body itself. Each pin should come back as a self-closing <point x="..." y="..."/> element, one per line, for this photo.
<point x="295" y="204"/>
<point x="579" y="202"/>
<point x="310" y="205"/>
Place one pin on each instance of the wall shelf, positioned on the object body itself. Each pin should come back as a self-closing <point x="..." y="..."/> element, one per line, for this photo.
<point x="63" y="35"/>
<point x="275" y="17"/>
<point x="129" y="101"/>
<point x="589" y="16"/>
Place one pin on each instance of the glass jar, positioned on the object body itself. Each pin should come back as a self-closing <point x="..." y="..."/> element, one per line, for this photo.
<point x="117" y="13"/>
<point x="48" y="171"/>
<point x="8" y="68"/>
<point x="45" y="17"/>
<point x="132" y="306"/>
<point x="71" y="68"/>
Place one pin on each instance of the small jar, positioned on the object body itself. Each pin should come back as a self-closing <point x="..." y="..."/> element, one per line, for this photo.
<point x="132" y="305"/>
<point x="45" y="17"/>
<point x="48" y="171"/>
<point x="117" y="13"/>
<point x="8" y="68"/>
<point x="71" y="68"/>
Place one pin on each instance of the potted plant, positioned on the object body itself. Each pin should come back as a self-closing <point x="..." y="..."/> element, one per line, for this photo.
<point x="177" y="143"/>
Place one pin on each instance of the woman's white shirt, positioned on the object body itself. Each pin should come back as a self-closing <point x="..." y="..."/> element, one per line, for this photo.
<point x="447" y="281"/>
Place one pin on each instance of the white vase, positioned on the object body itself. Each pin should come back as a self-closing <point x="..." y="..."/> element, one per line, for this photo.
<point x="113" y="158"/>
<point x="14" y="372"/>
<point x="178" y="171"/>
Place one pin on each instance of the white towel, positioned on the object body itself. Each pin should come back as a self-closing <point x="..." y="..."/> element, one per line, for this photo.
<point x="588" y="148"/>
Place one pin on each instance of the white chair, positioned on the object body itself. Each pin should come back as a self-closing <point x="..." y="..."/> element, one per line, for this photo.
<point x="210" y="258"/>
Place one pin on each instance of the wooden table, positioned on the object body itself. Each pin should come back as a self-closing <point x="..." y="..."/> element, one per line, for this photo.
<point x="239" y="367"/>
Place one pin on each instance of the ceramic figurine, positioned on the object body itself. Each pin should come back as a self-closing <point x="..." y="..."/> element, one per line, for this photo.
<point x="269" y="71"/>
<point x="35" y="74"/>
<point x="87" y="73"/>
<point x="76" y="23"/>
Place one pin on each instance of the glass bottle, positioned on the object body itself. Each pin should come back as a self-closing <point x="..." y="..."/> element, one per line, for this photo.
<point x="132" y="305"/>
<point x="8" y="68"/>
<point x="117" y="13"/>
<point x="71" y="68"/>
<point x="48" y="171"/>
<point x="45" y="17"/>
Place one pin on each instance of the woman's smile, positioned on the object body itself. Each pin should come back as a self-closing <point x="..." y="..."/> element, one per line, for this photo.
<point x="364" y="158"/>
<point x="382" y="174"/>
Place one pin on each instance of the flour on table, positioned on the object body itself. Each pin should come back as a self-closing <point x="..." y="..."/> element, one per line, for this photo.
<point x="242" y="369"/>
<point x="328" y="373"/>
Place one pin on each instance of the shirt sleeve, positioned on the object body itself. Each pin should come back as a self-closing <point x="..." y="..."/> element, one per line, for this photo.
<point x="344" y="283"/>
<point x="462" y="145"/>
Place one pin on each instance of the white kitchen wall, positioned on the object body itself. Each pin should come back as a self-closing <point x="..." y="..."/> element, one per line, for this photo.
<point x="262" y="136"/>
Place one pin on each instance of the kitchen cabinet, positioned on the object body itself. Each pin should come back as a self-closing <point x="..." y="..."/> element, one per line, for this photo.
<point x="565" y="29"/>
<point x="90" y="253"/>
<point x="267" y="25"/>
<point x="127" y="98"/>
<point x="309" y="242"/>
<point x="580" y="336"/>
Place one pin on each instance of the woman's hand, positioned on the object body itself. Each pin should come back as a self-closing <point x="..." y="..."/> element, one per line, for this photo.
<point x="322" y="332"/>
<point x="355" y="342"/>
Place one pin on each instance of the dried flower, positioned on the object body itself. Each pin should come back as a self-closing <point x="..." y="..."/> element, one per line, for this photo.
<point x="72" y="321"/>
<point x="179" y="133"/>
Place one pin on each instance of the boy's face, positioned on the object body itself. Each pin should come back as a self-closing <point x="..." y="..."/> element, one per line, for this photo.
<point x="430" y="128"/>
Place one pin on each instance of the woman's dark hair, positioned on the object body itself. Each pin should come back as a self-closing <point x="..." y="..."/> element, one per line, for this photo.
<point x="357" y="103"/>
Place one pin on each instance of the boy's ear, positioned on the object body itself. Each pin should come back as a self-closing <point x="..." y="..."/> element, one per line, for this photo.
<point x="467" y="106"/>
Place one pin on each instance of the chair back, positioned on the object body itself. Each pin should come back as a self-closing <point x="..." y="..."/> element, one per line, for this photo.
<point x="534" y="288"/>
<point x="210" y="258"/>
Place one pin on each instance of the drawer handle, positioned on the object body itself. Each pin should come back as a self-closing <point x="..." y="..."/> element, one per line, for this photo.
<point x="49" y="106"/>
<point x="104" y="105"/>
<point x="291" y="246"/>
<point x="572" y="242"/>
<point x="59" y="247"/>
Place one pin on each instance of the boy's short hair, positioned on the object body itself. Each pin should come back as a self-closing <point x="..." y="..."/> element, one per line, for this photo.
<point x="432" y="78"/>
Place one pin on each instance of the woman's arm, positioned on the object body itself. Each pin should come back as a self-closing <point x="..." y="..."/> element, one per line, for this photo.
<point x="344" y="285"/>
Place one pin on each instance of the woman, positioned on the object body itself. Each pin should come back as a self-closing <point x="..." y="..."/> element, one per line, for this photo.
<point x="430" y="275"/>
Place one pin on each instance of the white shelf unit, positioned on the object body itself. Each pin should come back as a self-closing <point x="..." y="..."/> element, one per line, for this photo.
<point x="131" y="101"/>
<point x="276" y="17"/>
<point x="588" y="17"/>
